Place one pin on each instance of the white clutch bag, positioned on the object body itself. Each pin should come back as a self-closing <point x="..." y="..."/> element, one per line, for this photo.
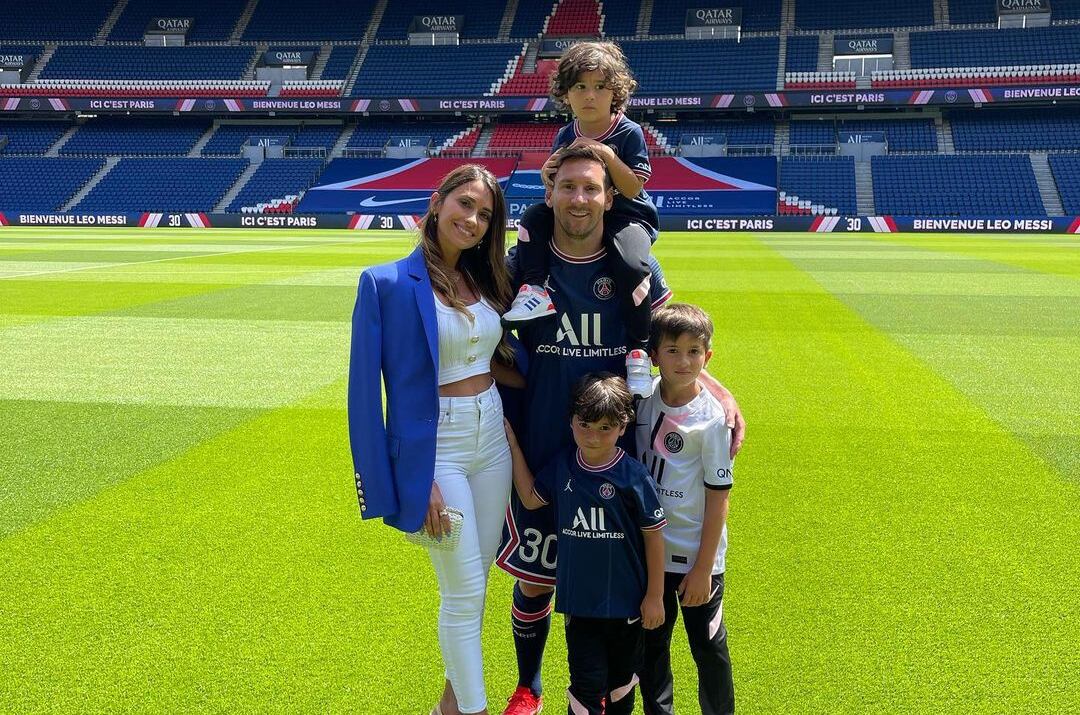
<point x="449" y="541"/>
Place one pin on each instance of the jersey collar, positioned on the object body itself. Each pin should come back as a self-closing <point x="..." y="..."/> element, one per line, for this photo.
<point x="607" y="132"/>
<point x="577" y="259"/>
<point x="603" y="467"/>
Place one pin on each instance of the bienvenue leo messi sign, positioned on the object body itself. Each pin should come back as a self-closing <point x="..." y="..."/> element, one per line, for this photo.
<point x="495" y="105"/>
<point x="408" y="222"/>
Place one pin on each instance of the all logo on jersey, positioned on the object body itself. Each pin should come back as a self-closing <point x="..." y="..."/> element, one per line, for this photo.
<point x="606" y="490"/>
<point x="603" y="288"/>
<point x="673" y="441"/>
<point x="594" y="521"/>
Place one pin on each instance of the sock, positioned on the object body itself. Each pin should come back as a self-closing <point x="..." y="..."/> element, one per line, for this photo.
<point x="531" y="621"/>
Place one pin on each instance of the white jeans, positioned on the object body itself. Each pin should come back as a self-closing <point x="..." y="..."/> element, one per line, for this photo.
<point x="472" y="469"/>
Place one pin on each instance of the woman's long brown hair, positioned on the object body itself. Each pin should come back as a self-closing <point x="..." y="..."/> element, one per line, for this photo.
<point x="484" y="265"/>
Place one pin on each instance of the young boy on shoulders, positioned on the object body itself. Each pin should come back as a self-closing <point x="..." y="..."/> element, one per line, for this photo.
<point x="685" y="443"/>
<point x="610" y="569"/>
<point x="594" y="82"/>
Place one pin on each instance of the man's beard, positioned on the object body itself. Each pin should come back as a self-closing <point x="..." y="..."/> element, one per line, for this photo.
<point x="570" y="233"/>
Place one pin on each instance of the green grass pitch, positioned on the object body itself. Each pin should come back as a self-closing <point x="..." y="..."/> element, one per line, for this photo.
<point x="179" y="530"/>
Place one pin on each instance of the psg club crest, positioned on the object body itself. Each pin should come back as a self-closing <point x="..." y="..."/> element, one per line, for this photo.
<point x="606" y="490"/>
<point x="673" y="441"/>
<point x="603" y="288"/>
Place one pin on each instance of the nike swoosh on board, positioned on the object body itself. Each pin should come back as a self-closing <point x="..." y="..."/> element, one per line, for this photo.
<point x="371" y="203"/>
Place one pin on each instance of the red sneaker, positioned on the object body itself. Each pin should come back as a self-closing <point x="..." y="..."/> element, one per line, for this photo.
<point x="523" y="702"/>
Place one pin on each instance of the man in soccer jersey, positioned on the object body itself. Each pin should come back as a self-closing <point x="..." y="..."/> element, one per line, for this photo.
<point x="585" y="335"/>
<point x="610" y="573"/>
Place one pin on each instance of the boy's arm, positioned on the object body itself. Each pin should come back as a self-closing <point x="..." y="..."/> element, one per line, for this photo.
<point x="696" y="586"/>
<point x="652" y="607"/>
<point x="524" y="483"/>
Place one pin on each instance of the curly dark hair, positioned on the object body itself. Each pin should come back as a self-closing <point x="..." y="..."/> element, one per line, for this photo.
<point x="587" y="57"/>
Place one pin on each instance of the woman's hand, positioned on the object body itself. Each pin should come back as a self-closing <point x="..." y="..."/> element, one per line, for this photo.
<point x="436" y="523"/>
<point x="511" y="438"/>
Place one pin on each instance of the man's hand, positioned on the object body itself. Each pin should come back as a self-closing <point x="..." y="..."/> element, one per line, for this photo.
<point x="696" y="587"/>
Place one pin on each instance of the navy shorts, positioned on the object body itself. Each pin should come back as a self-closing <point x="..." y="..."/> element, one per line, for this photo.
<point x="529" y="543"/>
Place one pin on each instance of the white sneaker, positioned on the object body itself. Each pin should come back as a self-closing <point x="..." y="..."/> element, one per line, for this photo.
<point x="639" y="373"/>
<point x="531" y="302"/>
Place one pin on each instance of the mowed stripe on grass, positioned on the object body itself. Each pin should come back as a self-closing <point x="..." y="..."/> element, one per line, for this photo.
<point x="895" y="545"/>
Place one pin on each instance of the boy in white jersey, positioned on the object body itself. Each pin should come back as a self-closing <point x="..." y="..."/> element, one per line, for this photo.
<point x="685" y="443"/>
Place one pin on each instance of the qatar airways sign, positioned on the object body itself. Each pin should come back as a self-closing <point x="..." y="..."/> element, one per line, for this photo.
<point x="169" y="26"/>
<point x="1023" y="7"/>
<point x="437" y="23"/>
<point x="714" y="17"/>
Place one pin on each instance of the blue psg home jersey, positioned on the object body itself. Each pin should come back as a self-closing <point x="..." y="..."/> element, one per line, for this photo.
<point x="585" y="335"/>
<point x="600" y="513"/>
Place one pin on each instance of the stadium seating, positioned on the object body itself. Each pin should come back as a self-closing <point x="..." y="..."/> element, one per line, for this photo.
<point x="29" y="20"/>
<point x="211" y="19"/>
<point x="827" y="181"/>
<point x="962" y="12"/>
<point x="339" y="63"/>
<point x="375" y="135"/>
<point x="620" y="18"/>
<point x="233" y="89"/>
<point x="812" y="133"/>
<point x="819" y="80"/>
<point x="846" y="14"/>
<point x="663" y="66"/>
<point x="482" y="17"/>
<point x="669" y="17"/>
<point x="517" y="137"/>
<point x="148" y="63"/>
<point x="319" y="136"/>
<point x="757" y="132"/>
<point x="979" y="76"/>
<point x="534" y="84"/>
<point x="1016" y="130"/>
<point x="42" y="184"/>
<point x="956" y="185"/>
<point x="402" y="70"/>
<point x="574" y="18"/>
<point x="995" y="48"/>
<point x="228" y="139"/>
<point x="1066" y="171"/>
<point x="276" y="179"/>
<point x="31" y="137"/>
<point x="309" y="20"/>
<point x="802" y="53"/>
<point x="182" y="185"/>
<point x="315" y="88"/>
<point x="529" y="18"/>
<point x="902" y="135"/>
<point x="108" y="135"/>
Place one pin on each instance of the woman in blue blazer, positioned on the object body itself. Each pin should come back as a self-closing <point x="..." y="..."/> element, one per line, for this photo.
<point x="427" y="328"/>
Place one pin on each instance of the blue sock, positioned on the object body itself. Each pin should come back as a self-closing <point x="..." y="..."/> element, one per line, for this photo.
<point x="530" y="619"/>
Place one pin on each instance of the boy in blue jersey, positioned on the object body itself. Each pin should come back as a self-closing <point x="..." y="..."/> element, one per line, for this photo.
<point x="610" y="571"/>
<point x="593" y="79"/>
<point x="683" y="438"/>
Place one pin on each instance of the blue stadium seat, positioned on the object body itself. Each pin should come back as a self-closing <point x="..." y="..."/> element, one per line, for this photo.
<point x="817" y="15"/>
<point x="757" y="132"/>
<point x="669" y="17"/>
<point x="211" y="19"/>
<point x="108" y="135"/>
<point x="1016" y="129"/>
<point x="340" y="62"/>
<point x="620" y="18"/>
<point x="182" y="185"/>
<point x="31" y="137"/>
<point x="482" y="17"/>
<point x="309" y="20"/>
<point x="663" y="66"/>
<point x="902" y="135"/>
<point x="825" y="180"/>
<point x="802" y="53"/>
<point x="403" y="70"/>
<point x="42" y="184"/>
<point x="956" y="185"/>
<point x="376" y="134"/>
<point x="276" y="179"/>
<point x="127" y="62"/>
<point x="29" y="20"/>
<point x="811" y="132"/>
<point x="529" y="18"/>
<point x="1066" y="171"/>
<point x="996" y="48"/>
<point x="962" y="12"/>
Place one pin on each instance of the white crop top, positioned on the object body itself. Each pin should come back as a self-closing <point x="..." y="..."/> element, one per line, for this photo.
<point x="466" y="346"/>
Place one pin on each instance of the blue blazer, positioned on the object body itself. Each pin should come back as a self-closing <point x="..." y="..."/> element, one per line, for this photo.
<point x="394" y="341"/>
